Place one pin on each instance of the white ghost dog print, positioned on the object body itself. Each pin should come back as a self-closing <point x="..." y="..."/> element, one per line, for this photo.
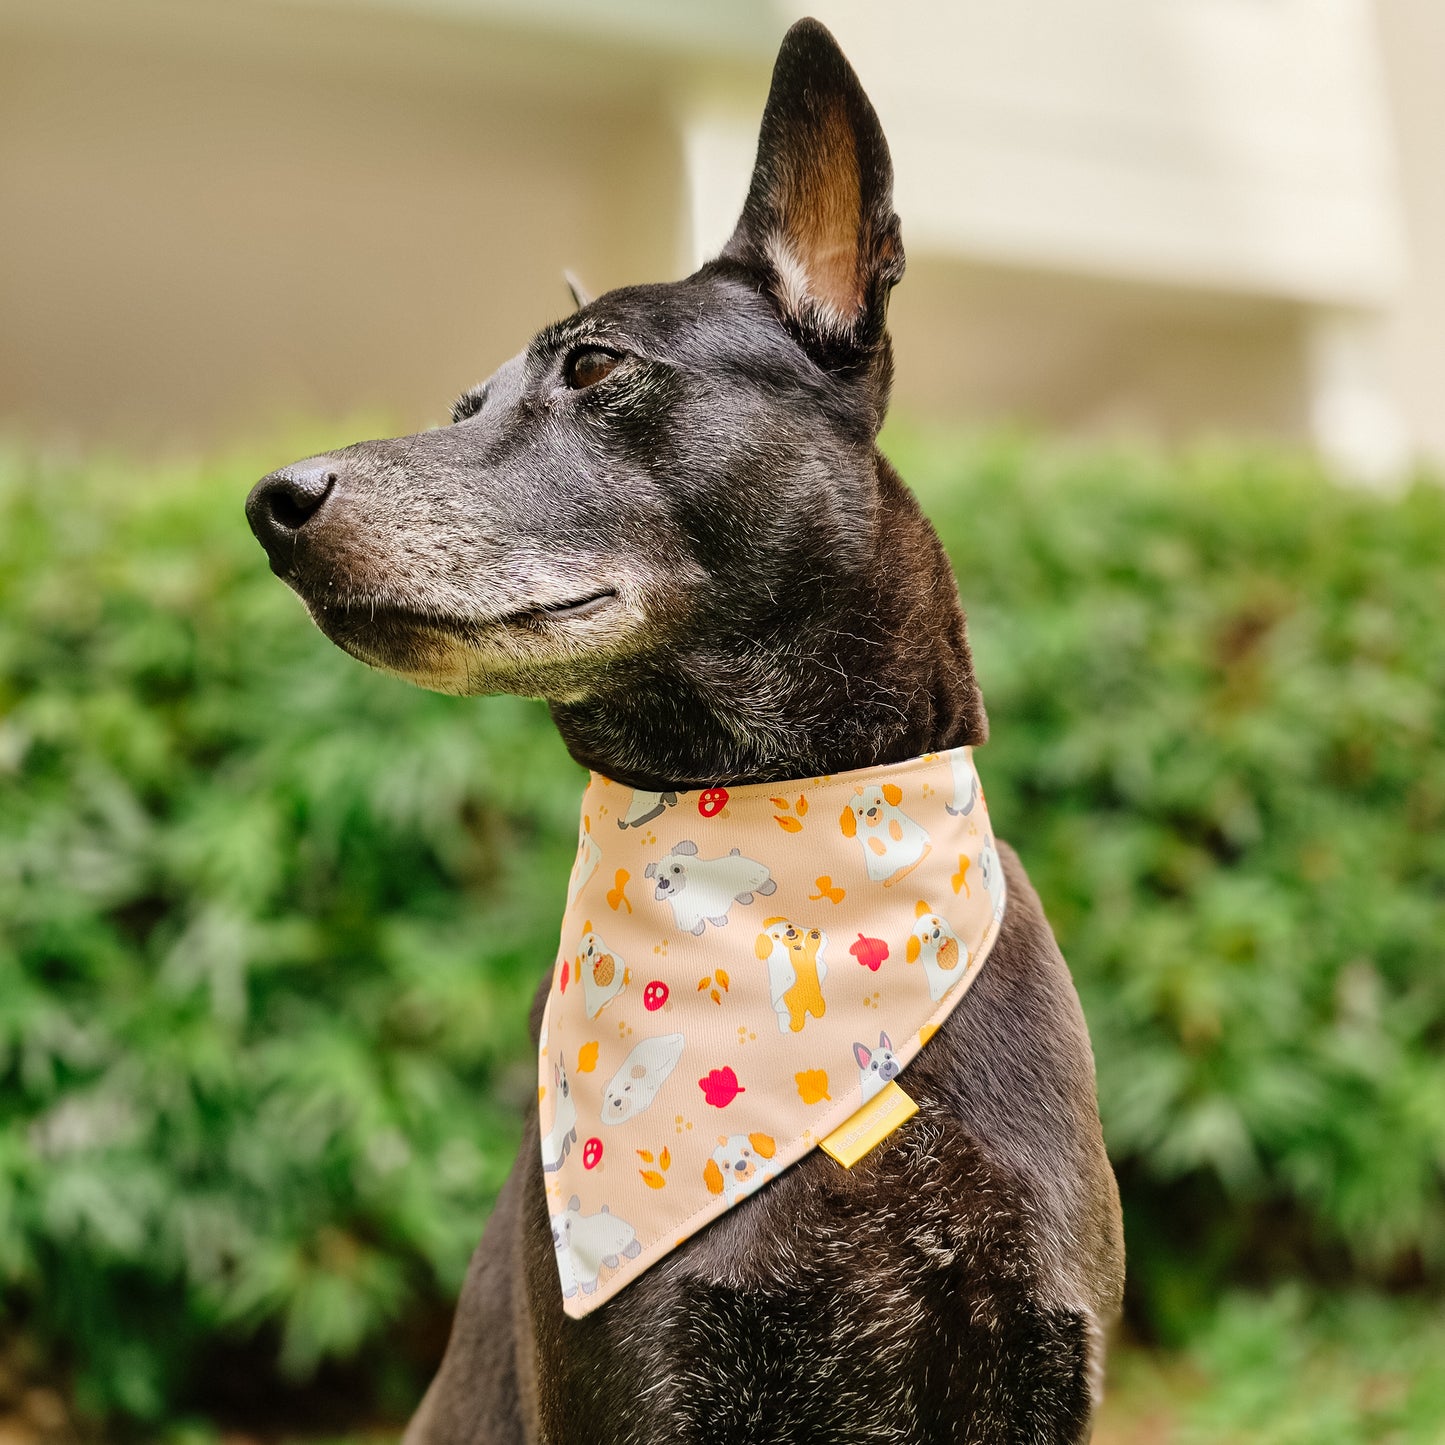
<point x="644" y="1071"/>
<point x="702" y="890"/>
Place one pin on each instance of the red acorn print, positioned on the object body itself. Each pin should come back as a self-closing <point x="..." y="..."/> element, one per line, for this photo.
<point x="720" y="1088"/>
<point x="654" y="995"/>
<point x="711" y="801"/>
<point x="592" y="1153"/>
<point x="870" y="952"/>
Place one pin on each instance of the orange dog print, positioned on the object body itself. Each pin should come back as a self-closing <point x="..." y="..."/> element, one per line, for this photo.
<point x="739" y="1164"/>
<point x="893" y="844"/>
<point x="796" y="971"/>
<point x="935" y="942"/>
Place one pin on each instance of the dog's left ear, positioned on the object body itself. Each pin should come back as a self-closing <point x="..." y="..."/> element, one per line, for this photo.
<point x="581" y="296"/>
<point x="818" y="225"/>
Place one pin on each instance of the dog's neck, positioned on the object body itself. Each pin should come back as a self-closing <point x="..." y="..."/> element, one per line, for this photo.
<point x="877" y="672"/>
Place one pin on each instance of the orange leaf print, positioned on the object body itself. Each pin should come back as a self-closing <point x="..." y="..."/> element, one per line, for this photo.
<point x="960" y="879"/>
<point x="827" y="889"/>
<point x="617" y="895"/>
<point x="703" y="983"/>
<point x="812" y="1085"/>
<point x="716" y="996"/>
<point x="652" y="1178"/>
<point x="723" y="979"/>
<point x="587" y="1057"/>
<point x="779" y="802"/>
<point x="645" y="1156"/>
<point x="788" y="825"/>
<point x="802" y="806"/>
<point x="665" y="1159"/>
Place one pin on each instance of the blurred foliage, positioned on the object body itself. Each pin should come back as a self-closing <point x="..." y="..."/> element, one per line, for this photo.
<point x="1217" y="684"/>
<point x="1290" y="1367"/>
<point x="270" y="923"/>
<point x="269" y="927"/>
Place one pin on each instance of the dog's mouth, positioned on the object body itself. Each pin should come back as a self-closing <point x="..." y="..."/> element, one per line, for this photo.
<point x="468" y="652"/>
<point x="586" y="606"/>
<point x="357" y="621"/>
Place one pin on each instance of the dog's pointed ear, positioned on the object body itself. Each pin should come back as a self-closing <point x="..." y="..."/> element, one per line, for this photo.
<point x="581" y="296"/>
<point x="818" y="225"/>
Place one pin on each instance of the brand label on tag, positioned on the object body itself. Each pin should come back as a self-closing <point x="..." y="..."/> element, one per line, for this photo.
<point x="870" y="1126"/>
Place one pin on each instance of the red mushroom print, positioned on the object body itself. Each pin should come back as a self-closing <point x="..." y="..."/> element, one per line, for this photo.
<point x="711" y="801"/>
<point x="592" y="1153"/>
<point x="720" y="1088"/>
<point x="870" y="952"/>
<point x="654" y="995"/>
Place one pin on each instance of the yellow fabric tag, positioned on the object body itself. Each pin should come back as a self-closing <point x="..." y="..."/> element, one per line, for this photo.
<point x="870" y="1126"/>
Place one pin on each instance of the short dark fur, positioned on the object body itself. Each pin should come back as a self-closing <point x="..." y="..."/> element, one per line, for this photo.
<point x="706" y="567"/>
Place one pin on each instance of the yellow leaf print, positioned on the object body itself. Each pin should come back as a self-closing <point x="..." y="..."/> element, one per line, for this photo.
<point x="788" y="825"/>
<point x="960" y="879"/>
<point x="617" y="895"/>
<point x="587" y="1058"/>
<point x="812" y="1085"/>
<point x="652" y="1178"/>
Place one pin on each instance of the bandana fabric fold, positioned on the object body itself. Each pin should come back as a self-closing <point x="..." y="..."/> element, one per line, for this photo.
<point x="741" y="969"/>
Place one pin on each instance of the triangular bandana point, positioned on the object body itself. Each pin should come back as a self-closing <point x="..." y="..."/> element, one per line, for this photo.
<point x="785" y="950"/>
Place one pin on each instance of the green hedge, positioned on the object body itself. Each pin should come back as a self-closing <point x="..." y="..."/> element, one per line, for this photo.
<point x="269" y="923"/>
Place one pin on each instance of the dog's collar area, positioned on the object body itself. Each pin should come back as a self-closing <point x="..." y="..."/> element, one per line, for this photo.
<point x="740" y="970"/>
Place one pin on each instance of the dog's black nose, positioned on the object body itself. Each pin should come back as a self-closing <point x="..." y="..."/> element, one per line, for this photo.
<point x="281" y="505"/>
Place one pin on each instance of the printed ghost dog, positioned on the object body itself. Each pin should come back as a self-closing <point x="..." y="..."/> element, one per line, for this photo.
<point x="604" y="975"/>
<point x="644" y="1071"/>
<point x="702" y="890"/>
<point x="644" y="807"/>
<point x="586" y="1242"/>
<point x="893" y="844"/>
<point x="740" y="1164"/>
<point x="563" y="1133"/>
<point x="796" y="971"/>
<point x="941" y="949"/>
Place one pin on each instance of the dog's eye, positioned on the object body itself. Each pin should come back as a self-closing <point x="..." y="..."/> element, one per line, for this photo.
<point x="589" y="366"/>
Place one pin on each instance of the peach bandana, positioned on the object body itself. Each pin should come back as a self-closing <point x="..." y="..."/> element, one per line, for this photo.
<point x="741" y="969"/>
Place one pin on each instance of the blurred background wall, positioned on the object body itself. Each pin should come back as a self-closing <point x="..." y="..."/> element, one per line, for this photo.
<point x="1120" y="215"/>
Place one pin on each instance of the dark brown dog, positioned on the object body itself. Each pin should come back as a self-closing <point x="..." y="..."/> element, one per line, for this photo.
<point x="668" y="517"/>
